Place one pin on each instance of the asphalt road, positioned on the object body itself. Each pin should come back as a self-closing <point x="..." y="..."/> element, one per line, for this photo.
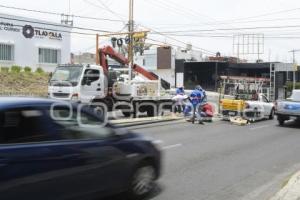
<point x="220" y="161"/>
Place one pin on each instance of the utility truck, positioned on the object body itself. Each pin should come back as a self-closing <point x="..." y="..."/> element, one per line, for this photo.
<point x="143" y="91"/>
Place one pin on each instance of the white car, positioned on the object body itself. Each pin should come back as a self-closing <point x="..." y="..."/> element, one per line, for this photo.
<point x="261" y="108"/>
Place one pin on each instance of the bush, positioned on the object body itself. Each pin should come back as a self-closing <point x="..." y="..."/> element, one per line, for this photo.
<point x="39" y="70"/>
<point x="16" y="69"/>
<point x="289" y="86"/>
<point x="4" y="69"/>
<point x="27" y="69"/>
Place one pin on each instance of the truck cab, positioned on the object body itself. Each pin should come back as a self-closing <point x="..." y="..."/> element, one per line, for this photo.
<point x="78" y="82"/>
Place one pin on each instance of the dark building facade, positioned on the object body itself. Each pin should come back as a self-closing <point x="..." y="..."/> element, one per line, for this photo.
<point x="207" y="73"/>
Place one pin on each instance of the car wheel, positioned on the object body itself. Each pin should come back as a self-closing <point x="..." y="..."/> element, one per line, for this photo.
<point x="142" y="181"/>
<point x="272" y="114"/>
<point x="150" y="112"/>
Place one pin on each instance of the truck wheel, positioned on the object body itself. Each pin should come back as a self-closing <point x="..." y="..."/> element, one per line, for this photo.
<point x="126" y="114"/>
<point x="150" y="112"/>
<point x="272" y="114"/>
<point x="280" y="120"/>
<point x="99" y="110"/>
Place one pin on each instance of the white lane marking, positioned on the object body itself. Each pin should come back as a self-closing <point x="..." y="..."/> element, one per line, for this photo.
<point x="171" y="146"/>
<point x="259" y="127"/>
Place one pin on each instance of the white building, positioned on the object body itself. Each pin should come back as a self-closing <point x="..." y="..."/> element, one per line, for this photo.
<point x="33" y="43"/>
<point x="161" y="61"/>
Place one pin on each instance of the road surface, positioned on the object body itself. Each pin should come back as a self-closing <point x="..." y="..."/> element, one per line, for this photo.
<point x="220" y="161"/>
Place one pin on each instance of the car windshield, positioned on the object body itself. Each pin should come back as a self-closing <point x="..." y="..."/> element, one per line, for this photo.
<point x="67" y="74"/>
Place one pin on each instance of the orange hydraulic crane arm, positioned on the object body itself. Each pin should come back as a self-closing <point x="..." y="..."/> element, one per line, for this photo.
<point x="144" y="72"/>
<point x="109" y="51"/>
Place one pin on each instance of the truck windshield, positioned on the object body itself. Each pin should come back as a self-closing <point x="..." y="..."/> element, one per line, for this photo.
<point x="67" y="74"/>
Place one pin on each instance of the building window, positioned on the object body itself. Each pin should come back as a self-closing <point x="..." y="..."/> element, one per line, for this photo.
<point x="6" y="52"/>
<point x="51" y="56"/>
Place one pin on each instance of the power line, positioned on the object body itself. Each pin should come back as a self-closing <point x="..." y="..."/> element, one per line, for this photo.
<point x="57" y="25"/>
<point x="165" y="43"/>
<point x="190" y="11"/>
<point x="174" y="39"/>
<point x="59" y="14"/>
<point x="169" y="8"/>
<point x="231" y="29"/>
<point x="240" y="20"/>
<point x="106" y="8"/>
<point x="164" y="26"/>
<point x="230" y="37"/>
<point x="50" y="29"/>
<point x="110" y="10"/>
<point x="178" y="10"/>
<point x="266" y="14"/>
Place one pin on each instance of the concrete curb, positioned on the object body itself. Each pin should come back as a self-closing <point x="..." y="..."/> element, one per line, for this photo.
<point x="291" y="191"/>
<point x="150" y="120"/>
<point x="143" y="121"/>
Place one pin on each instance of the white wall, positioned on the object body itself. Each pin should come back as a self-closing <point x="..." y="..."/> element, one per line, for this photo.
<point x="149" y="58"/>
<point x="26" y="49"/>
<point x="167" y="75"/>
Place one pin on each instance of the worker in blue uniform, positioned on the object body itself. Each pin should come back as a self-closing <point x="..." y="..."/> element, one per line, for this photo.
<point x="197" y="97"/>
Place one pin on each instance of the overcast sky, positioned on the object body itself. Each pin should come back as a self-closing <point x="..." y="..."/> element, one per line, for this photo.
<point x="196" y="19"/>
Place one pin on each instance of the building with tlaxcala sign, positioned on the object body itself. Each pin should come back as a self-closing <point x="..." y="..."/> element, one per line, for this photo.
<point x="34" y="43"/>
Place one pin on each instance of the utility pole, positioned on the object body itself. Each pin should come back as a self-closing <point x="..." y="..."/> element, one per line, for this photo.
<point x="130" y="36"/>
<point x="294" y="65"/>
<point x="97" y="50"/>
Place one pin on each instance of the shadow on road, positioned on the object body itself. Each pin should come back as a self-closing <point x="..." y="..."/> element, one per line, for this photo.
<point x="292" y="124"/>
<point x="156" y="191"/>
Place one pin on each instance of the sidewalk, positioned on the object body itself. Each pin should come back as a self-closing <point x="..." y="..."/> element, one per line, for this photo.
<point x="291" y="191"/>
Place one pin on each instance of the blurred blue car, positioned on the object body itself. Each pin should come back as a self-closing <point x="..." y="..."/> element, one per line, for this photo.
<point x="52" y="150"/>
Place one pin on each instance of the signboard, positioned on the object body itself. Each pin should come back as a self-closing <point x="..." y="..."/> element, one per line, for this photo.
<point x="4" y="26"/>
<point x="29" y="32"/>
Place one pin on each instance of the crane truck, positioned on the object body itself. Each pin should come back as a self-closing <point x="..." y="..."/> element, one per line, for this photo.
<point x="98" y="84"/>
